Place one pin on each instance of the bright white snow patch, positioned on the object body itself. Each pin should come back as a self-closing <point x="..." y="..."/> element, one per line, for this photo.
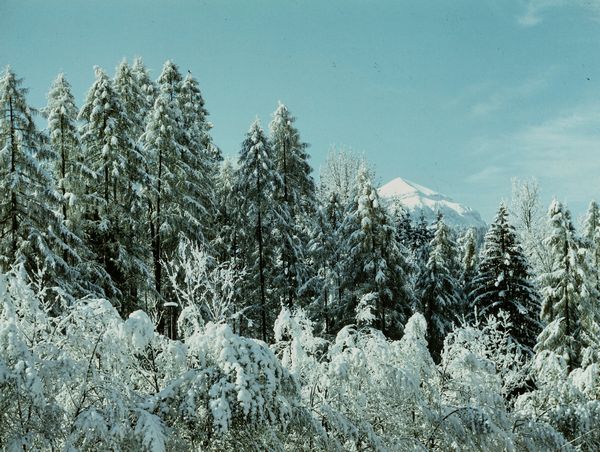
<point x="422" y="200"/>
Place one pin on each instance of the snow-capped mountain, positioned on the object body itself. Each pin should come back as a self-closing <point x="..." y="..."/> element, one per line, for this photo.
<point x="422" y="200"/>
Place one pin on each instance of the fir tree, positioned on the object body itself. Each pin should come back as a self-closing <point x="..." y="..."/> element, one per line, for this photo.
<point x="296" y="199"/>
<point x="469" y="260"/>
<point x="374" y="267"/>
<point x="134" y="100"/>
<point x="439" y="293"/>
<point x="591" y="235"/>
<point x="256" y="181"/>
<point x="503" y="282"/>
<point x="67" y="168"/>
<point x="31" y="229"/>
<point x="568" y="294"/>
<point x="115" y="170"/>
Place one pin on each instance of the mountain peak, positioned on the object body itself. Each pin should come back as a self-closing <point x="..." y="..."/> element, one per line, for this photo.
<point x="422" y="200"/>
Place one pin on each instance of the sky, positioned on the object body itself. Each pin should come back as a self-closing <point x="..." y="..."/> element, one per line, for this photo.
<point x="458" y="96"/>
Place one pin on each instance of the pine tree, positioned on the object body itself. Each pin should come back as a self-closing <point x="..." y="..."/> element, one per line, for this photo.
<point x="201" y="165"/>
<point x="568" y="294"/>
<point x="469" y="260"/>
<point x="134" y="100"/>
<point x="256" y="181"/>
<point x="67" y="168"/>
<point x="374" y="267"/>
<point x="145" y="83"/>
<point x="31" y="229"/>
<point x="115" y="170"/>
<point x="438" y="290"/>
<point x="503" y="282"/>
<point x="296" y="199"/>
<point x="591" y="234"/>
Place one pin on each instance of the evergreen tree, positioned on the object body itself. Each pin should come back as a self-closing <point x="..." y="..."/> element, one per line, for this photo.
<point x="439" y="293"/>
<point x="296" y="199"/>
<point x="114" y="167"/>
<point x="469" y="259"/>
<point x="31" y="229"/>
<point x="503" y="282"/>
<point x="568" y="294"/>
<point x="201" y="166"/>
<point x="256" y="182"/>
<point x="591" y="234"/>
<point x="374" y="267"/>
<point x="67" y="168"/>
<point x="145" y="84"/>
<point x="134" y="100"/>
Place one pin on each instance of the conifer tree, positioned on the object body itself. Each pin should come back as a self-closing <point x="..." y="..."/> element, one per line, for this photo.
<point x="145" y="84"/>
<point x="374" y="267"/>
<point x="115" y="170"/>
<point x="591" y="235"/>
<point x="296" y="199"/>
<point x="469" y="259"/>
<point x="67" y="168"/>
<point x="31" y="229"/>
<point x="568" y="294"/>
<point x="134" y="100"/>
<point x="256" y="182"/>
<point x="503" y="282"/>
<point x="439" y="293"/>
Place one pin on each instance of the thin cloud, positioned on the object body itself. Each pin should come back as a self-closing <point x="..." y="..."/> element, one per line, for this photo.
<point x="503" y="97"/>
<point x="534" y="10"/>
<point x="562" y="152"/>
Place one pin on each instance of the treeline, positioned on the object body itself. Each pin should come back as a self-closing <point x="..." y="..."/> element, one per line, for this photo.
<point x="127" y="199"/>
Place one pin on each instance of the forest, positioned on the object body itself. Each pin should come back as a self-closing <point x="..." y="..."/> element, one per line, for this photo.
<point x="157" y="296"/>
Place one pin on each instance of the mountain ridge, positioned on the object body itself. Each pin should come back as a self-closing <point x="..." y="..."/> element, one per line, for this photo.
<point x="418" y="199"/>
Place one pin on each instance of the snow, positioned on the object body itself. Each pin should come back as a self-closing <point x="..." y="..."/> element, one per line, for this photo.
<point x="422" y="200"/>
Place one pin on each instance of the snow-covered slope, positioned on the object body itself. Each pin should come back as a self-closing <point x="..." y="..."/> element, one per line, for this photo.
<point x="422" y="200"/>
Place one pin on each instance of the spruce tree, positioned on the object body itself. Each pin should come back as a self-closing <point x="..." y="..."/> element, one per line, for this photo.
<point x="439" y="295"/>
<point x="469" y="259"/>
<point x="591" y="235"/>
<point x="67" y="169"/>
<point x="568" y="293"/>
<point x="31" y="229"/>
<point x="295" y="197"/>
<point x="503" y="282"/>
<point x="374" y="267"/>
<point x="134" y="100"/>
<point x="115" y="170"/>
<point x="256" y="182"/>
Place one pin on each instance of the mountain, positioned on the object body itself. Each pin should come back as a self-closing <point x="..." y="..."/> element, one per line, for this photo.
<point x="422" y="200"/>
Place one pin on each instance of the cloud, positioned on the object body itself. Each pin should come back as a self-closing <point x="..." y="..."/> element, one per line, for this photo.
<point x="534" y="10"/>
<point x="501" y="98"/>
<point x="563" y="152"/>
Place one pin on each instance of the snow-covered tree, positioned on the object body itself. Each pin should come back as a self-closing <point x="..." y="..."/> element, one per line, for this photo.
<point x="296" y="198"/>
<point x="374" y="267"/>
<point x="591" y="235"/>
<point x="32" y="230"/>
<point x="568" y="293"/>
<point x="116" y="177"/>
<point x="469" y="259"/>
<point x="503" y="282"/>
<point x="438" y="292"/>
<point x="256" y="181"/>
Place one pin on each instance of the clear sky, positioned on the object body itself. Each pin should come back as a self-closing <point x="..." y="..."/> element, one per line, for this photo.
<point x="455" y="95"/>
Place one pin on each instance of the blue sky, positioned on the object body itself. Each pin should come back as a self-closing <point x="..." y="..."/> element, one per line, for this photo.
<point x="459" y="96"/>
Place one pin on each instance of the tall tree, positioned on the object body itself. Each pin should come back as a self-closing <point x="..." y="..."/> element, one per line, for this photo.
<point x="469" y="259"/>
<point x="116" y="177"/>
<point x="256" y="181"/>
<point x="31" y="229"/>
<point x="503" y="282"/>
<point x="374" y="267"/>
<point x="439" y="294"/>
<point x="568" y="293"/>
<point x="591" y="234"/>
<point x="67" y="169"/>
<point x="296" y="196"/>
